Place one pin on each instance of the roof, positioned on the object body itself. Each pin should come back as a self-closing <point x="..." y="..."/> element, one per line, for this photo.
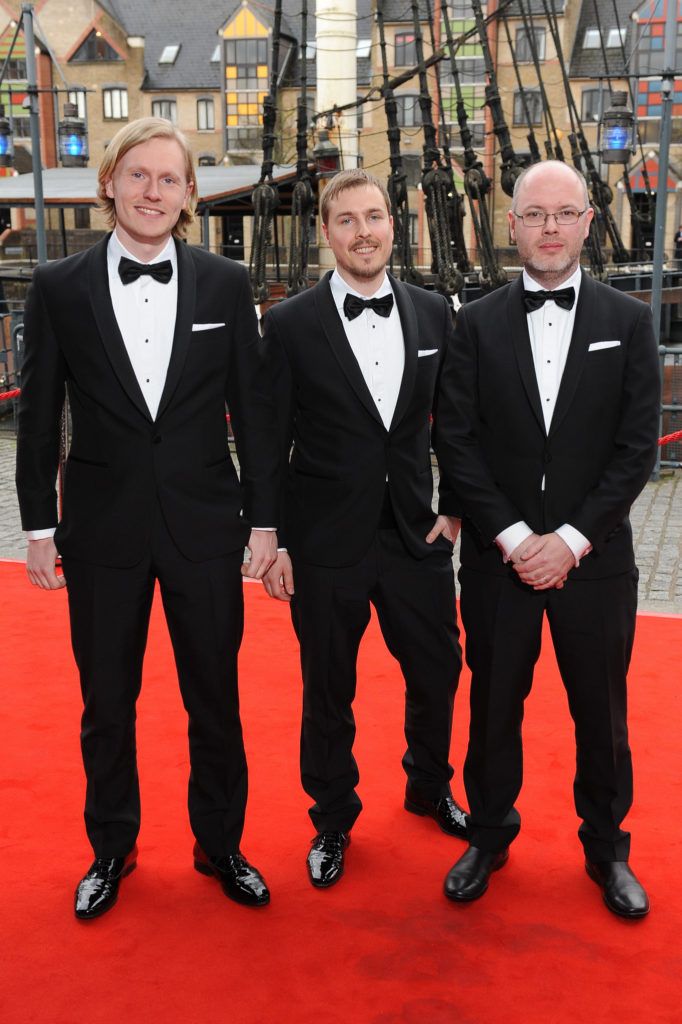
<point x="168" y="22"/>
<point x="77" y="186"/>
<point x="588" y="62"/>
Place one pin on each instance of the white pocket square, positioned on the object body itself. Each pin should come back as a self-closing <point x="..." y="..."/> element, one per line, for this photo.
<point x="426" y="352"/>
<point x="597" y="345"/>
<point x="205" y="327"/>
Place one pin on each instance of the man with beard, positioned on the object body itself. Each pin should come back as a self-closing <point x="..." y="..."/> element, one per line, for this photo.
<point x="358" y="360"/>
<point x="549" y="434"/>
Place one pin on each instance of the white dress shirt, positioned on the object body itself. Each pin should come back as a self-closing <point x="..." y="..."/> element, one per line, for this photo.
<point x="550" y="329"/>
<point x="377" y="344"/>
<point x="145" y="313"/>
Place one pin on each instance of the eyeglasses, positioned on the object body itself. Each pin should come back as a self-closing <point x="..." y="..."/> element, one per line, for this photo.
<point x="538" y="218"/>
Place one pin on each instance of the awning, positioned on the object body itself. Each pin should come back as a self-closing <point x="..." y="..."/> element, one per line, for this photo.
<point x="219" y="187"/>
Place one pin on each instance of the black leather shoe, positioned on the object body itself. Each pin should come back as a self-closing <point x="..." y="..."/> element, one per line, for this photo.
<point x="469" y="877"/>
<point x="98" y="890"/>
<point x="445" y="811"/>
<point x="623" y="894"/>
<point x="325" y="859"/>
<point x="239" y="879"/>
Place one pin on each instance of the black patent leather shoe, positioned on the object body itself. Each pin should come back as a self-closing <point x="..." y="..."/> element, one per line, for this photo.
<point x="239" y="879"/>
<point x="445" y="811"/>
<point x="623" y="893"/>
<point x="469" y="877"/>
<point x="98" y="890"/>
<point x="325" y="859"/>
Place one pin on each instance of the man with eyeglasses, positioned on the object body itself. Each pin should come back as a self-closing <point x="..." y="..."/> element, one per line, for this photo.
<point x="549" y="436"/>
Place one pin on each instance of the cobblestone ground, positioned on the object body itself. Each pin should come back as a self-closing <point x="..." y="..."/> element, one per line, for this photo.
<point x="656" y="523"/>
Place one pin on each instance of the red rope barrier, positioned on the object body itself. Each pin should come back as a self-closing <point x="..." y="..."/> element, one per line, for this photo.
<point x="669" y="438"/>
<point x="6" y="395"/>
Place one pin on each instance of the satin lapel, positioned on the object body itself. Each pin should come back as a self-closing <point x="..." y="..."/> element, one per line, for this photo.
<point x="184" y="318"/>
<point x="577" y="352"/>
<point x="103" y="311"/>
<point x="408" y="321"/>
<point x="336" y="336"/>
<point x="518" y="327"/>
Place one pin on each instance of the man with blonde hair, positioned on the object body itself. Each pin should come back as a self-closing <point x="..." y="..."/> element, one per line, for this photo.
<point x="150" y="338"/>
<point x="358" y="362"/>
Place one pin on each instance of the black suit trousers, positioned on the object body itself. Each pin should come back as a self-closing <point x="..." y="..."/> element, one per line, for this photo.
<point x="415" y="604"/>
<point x="592" y="624"/>
<point x="109" y="611"/>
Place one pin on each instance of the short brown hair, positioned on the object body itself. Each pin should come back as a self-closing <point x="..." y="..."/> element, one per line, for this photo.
<point x="144" y="130"/>
<point x="345" y="180"/>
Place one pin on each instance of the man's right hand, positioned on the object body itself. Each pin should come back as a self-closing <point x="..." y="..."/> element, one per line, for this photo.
<point x="40" y="564"/>
<point x="279" y="579"/>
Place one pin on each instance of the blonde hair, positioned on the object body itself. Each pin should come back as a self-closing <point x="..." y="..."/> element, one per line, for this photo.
<point x="349" y="179"/>
<point x="144" y="130"/>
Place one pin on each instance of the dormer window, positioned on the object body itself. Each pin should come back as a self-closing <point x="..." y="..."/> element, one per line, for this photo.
<point x="169" y="54"/>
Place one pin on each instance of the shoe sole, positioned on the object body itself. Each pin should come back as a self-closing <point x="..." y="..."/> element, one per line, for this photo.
<point x="472" y="899"/>
<point x="633" y="915"/>
<point x="109" y="906"/>
<point x="206" y="869"/>
<point x="420" y="812"/>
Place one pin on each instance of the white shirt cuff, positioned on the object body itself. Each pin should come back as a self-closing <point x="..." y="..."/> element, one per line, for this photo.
<point x="40" y="534"/>
<point x="510" y="538"/>
<point x="579" y="544"/>
<point x="265" y="529"/>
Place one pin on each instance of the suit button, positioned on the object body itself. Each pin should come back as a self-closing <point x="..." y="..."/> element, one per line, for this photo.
<point x="548" y="457"/>
<point x="156" y="439"/>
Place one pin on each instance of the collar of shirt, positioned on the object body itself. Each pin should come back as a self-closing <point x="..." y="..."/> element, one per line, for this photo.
<point x="340" y="289"/>
<point x="116" y="249"/>
<point x="531" y="285"/>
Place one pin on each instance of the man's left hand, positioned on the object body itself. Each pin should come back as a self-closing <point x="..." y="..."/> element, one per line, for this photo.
<point x="448" y="526"/>
<point x="263" y="547"/>
<point x="546" y="562"/>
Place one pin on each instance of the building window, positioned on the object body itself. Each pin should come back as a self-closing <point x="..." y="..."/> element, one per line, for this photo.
<point x="16" y="70"/>
<point x="21" y="127"/>
<point x="616" y="37"/>
<point x="461" y="9"/>
<point x="77" y="96"/>
<point x="167" y="109"/>
<point x="470" y="69"/>
<point x="533" y="102"/>
<point x="205" y="115"/>
<point x="246" y="63"/>
<point x="115" y="104"/>
<point x="95" y="47"/>
<point x="246" y="73"/>
<point x="591" y="39"/>
<point x="169" y="54"/>
<point x="360" y="114"/>
<point x="524" y="50"/>
<point x="409" y="114"/>
<point x="206" y="160"/>
<point x="405" y="50"/>
<point x="651" y="46"/>
<point x="591" y="105"/>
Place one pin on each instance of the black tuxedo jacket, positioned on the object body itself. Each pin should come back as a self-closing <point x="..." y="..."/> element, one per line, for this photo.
<point x="120" y="458"/>
<point x="342" y="452"/>
<point x="601" y="444"/>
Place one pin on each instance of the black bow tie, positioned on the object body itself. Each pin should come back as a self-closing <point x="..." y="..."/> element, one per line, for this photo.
<point x="564" y="297"/>
<point x="353" y="306"/>
<point x="129" y="270"/>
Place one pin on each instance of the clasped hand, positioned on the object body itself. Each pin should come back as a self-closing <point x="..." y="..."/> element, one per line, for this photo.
<point x="543" y="561"/>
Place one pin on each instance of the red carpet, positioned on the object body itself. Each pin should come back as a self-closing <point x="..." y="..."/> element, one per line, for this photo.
<point x="384" y="945"/>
